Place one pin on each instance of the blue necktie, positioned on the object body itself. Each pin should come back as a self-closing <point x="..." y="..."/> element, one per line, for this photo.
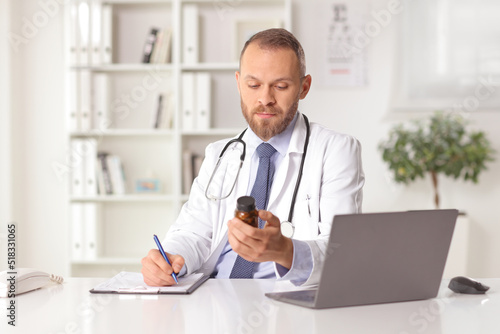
<point x="260" y="191"/>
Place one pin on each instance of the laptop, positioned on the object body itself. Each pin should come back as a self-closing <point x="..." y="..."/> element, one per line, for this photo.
<point x="380" y="258"/>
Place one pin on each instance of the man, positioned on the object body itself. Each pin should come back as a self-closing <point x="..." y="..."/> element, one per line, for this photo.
<point x="207" y="238"/>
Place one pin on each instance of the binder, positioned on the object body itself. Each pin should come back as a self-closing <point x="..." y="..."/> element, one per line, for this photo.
<point x="83" y="31"/>
<point x="203" y="101"/>
<point x="100" y="110"/>
<point x="77" y="170"/>
<point x="89" y="159"/>
<point x="85" y="101"/>
<point x="188" y="100"/>
<point x="77" y="232"/>
<point x="107" y="34"/>
<point x="95" y="32"/>
<point x="91" y="232"/>
<point x="190" y="31"/>
<point x="133" y="283"/>
<point x="72" y="34"/>
<point x="72" y="110"/>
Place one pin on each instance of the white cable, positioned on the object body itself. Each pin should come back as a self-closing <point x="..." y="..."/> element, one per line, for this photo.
<point x="57" y="279"/>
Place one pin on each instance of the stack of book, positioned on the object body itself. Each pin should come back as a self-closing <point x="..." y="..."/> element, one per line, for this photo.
<point x="192" y="164"/>
<point x="110" y="174"/>
<point x="157" y="49"/>
<point x="162" y="116"/>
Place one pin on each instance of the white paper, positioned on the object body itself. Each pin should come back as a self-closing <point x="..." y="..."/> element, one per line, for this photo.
<point x="129" y="282"/>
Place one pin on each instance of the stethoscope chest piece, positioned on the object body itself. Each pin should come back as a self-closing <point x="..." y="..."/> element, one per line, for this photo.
<point x="287" y="229"/>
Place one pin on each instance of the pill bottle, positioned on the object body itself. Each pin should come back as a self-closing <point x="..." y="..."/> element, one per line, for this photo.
<point x="246" y="211"/>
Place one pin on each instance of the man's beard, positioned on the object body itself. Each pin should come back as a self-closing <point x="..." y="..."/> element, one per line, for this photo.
<point x="268" y="128"/>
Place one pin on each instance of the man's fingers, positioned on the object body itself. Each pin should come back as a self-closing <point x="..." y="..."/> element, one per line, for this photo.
<point x="269" y="218"/>
<point x="156" y="271"/>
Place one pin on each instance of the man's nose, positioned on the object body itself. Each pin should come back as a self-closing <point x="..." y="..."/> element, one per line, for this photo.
<point x="267" y="97"/>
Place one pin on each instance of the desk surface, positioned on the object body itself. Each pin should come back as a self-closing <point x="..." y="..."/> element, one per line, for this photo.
<point x="239" y="306"/>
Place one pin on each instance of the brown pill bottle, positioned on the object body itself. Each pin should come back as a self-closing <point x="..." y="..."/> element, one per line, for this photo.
<point x="246" y="211"/>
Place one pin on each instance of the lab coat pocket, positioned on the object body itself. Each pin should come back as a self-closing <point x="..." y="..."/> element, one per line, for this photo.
<point x="306" y="217"/>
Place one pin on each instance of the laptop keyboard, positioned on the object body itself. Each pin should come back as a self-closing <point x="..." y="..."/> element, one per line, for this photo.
<point x="301" y="295"/>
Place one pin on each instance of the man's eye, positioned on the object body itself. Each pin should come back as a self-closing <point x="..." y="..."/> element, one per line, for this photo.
<point x="253" y="86"/>
<point x="281" y="87"/>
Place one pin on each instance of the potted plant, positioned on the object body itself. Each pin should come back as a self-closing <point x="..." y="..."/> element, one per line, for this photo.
<point x="439" y="145"/>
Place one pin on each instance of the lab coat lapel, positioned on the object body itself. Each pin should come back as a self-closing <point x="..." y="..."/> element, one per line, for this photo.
<point x="287" y="170"/>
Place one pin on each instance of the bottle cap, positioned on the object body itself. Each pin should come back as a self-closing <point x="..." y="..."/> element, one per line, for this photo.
<point x="245" y="203"/>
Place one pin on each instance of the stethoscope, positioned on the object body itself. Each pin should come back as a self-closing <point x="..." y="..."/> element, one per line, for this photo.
<point x="287" y="227"/>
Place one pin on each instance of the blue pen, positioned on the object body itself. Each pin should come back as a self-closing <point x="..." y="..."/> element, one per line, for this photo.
<point x="164" y="256"/>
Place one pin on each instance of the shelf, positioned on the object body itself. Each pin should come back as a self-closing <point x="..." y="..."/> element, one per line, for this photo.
<point x="137" y="2"/>
<point x="123" y="133"/>
<point x="231" y="66"/>
<point x="111" y="84"/>
<point x="126" y="67"/>
<point x="109" y="261"/>
<point x="213" y="132"/>
<point x="123" y="198"/>
<point x="236" y="3"/>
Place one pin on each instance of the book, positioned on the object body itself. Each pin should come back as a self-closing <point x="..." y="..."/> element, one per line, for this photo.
<point x="116" y="173"/>
<point x="106" y="177"/>
<point x="162" y="48"/>
<point x="192" y="164"/>
<point x="162" y="115"/>
<point x="149" y="45"/>
<point x="157" y="115"/>
<point x="133" y="283"/>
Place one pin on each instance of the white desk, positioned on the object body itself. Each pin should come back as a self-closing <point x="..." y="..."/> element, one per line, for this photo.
<point x="239" y="306"/>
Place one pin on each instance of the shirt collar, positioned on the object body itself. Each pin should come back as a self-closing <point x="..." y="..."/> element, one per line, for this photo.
<point x="280" y="142"/>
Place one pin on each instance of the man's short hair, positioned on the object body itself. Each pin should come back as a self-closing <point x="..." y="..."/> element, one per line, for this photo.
<point x="277" y="38"/>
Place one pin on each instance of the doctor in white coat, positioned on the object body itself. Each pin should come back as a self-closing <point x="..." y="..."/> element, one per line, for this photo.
<point x="207" y="238"/>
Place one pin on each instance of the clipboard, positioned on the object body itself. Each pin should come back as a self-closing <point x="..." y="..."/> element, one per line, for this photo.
<point x="133" y="283"/>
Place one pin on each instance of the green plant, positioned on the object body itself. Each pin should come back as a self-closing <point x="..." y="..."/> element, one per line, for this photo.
<point x="439" y="145"/>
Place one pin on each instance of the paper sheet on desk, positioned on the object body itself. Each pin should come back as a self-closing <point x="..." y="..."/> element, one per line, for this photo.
<point x="129" y="282"/>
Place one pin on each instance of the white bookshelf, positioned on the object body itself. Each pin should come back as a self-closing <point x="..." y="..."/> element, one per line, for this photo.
<point x="125" y="223"/>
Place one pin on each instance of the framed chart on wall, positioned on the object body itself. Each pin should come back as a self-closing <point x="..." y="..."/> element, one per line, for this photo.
<point x="246" y="28"/>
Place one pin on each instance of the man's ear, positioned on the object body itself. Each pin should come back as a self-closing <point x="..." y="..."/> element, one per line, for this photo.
<point x="305" y="85"/>
<point x="237" y="76"/>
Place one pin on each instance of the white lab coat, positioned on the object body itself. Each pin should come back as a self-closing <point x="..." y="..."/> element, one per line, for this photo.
<point x="331" y="184"/>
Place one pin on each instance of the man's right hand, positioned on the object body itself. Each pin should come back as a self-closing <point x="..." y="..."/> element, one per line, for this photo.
<point x="157" y="272"/>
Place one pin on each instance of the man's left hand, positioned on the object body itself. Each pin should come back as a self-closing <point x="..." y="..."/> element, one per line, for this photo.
<point x="261" y="245"/>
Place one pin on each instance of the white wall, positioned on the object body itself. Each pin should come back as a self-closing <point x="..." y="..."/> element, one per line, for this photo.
<point x="366" y="113"/>
<point x="5" y="145"/>
<point x="38" y="133"/>
<point x="39" y="198"/>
